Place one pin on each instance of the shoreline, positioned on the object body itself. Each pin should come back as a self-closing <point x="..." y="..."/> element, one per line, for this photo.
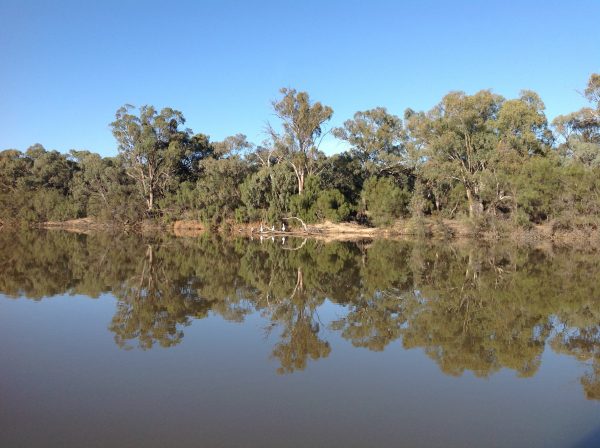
<point x="327" y="231"/>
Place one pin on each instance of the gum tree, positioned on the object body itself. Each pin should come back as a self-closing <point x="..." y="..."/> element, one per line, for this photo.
<point x="302" y="122"/>
<point x="457" y="137"/>
<point x="152" y="147"/>
<point x="377" y="139"/>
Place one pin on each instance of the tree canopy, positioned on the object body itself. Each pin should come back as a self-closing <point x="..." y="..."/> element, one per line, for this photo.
<point x="478" y="157"/>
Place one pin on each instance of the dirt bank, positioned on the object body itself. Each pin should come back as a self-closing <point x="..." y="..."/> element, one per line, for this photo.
<point x="585" y="237"/>
<point x="82" y="225"/>
<point x="188" y="228"/>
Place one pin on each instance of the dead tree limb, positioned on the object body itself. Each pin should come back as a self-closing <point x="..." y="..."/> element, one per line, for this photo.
<point x="301" y="222"/>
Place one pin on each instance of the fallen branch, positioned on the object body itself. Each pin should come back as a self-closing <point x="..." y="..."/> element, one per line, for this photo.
<point x="301" y="222"/>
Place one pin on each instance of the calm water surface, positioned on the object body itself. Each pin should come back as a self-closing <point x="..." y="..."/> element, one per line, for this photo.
<point x="128" y="341"/>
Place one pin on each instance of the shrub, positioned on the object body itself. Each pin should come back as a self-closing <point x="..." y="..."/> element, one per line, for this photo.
<point x="332" y="205"/>
<point x="303" y="205"/>
<point x="384" y="200"/>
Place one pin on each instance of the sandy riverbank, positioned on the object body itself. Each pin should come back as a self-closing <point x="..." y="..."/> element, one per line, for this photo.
<point x="426" y="228"/>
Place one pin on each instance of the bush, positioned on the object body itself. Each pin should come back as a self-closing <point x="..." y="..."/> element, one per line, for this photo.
<point x="52" y="205"/>
<point x="539" y="183"/>
<point x="268" y="193"/>
<point x="332" y="205"/>
<point x="384" y="200"/>
<point x="303" y="205"/>
<point x="521" y="219"/>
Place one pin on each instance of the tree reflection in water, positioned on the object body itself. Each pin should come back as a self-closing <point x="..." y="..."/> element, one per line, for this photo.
<point x="469" y="307"/>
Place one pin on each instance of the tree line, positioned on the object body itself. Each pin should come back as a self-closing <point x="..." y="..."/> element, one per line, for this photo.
<point x="479" y="156"/>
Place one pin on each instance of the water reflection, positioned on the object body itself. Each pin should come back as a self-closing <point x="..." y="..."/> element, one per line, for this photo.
<point x="470" y="308"/>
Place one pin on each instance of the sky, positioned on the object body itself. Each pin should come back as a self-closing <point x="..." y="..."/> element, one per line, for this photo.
<point x="67" y="66"/>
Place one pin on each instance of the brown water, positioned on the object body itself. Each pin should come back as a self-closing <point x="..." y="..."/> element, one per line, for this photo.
<point x="124" y="341"/>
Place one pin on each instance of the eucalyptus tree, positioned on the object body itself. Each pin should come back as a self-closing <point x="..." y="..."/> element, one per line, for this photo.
<point x="102" y="188"/>
<point x="35" y="186"/>
<point x="523" y="138"/>
<point x="580" y="130"/>
<point x="152" y="148"/>
<point x="302" y="122"/>
<point x="378" y="140"/>
<point x="15" y="176"/>
<point x="523" y="126"/>
<point x="218" y="190"/>
<point x="592" y="90"/>
<point x="50" y="169"/>
<point x="92" y="179"/>
<point x="458" y="138"/>
<point x="233" y="146"/>
<point x="480" y="142"/>
<point x="343" y="172"/>
<point x="14" y="169"/>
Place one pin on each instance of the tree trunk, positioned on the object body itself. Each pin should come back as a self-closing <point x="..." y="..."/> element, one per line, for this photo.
<point x="150" y="201"/>
<point x="475" y="204"/>
<point x="300" y="182"/>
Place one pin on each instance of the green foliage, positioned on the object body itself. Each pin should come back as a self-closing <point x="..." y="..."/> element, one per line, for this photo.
<point x="256" y="190"/>
<point x="332" y="205"/>
<point x="522" y="125"/>
<point x="266" y="194"/>
<point x="217" y="193"/>
<point x="343" y="172"/>
<point x="303" y="205"/>
<point x="458" y="138"/>
<point x="384" y="200"/>
<point x="34" y="187"/>
<point x="180" y="202"/>
<point x="479" y="155"/>
<point x="316" y="204"/>
<point x="378" y="141"/>
<point x="302" y="122"/>
<point x="154" y="150"/>
<point x="538" y="183"/>
<point x="50" y="169"/>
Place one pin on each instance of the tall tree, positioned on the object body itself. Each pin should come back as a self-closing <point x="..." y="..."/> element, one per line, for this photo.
<point x="50" y="169"/>
<point x="580" y="130"/>
<point x="377" y="139"/>
<point x="14" y="168"/>
<point x="458" y="137"/>
<point x="302" y="125"/>
<point x="152" y="147"/>
<point x="522" y="125"/>
<point x="592" y="90"/>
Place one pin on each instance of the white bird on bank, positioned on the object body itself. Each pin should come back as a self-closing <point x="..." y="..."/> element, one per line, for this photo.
<point x="273" y="228"/>
<point x="261" y="228"/>
<point x="283" y="227"/>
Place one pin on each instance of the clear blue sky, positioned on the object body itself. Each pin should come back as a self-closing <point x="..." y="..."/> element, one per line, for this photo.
<point x="67" y="66"/>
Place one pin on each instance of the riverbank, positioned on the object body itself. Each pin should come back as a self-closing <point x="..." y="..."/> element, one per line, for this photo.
<point x="587" y="236"/>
